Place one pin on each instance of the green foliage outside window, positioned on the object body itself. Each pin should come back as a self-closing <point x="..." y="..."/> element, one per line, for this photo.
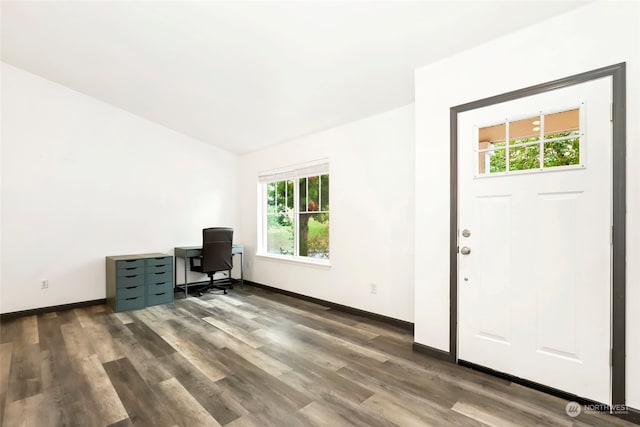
<point x="563" y="152"/>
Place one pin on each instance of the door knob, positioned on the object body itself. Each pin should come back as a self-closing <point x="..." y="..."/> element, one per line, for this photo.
<point x="465" y="250"/>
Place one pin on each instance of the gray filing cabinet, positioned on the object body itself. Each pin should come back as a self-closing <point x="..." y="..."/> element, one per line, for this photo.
<point x="139" y="281"/>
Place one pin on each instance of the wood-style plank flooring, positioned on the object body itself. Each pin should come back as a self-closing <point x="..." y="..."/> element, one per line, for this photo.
<point x="249" y="358"/>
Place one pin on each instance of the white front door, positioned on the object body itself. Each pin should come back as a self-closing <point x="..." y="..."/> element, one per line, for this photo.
<point x="534" y="270"/>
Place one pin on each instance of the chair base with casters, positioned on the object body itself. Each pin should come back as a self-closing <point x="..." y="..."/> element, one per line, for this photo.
<point x="221" y="284"/>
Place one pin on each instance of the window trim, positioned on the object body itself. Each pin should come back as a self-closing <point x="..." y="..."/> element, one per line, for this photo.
<point x="295" y="259"/>
<point x="318" y="167"/>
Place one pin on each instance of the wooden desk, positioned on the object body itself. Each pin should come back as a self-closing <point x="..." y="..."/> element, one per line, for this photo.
<point x="186" y="252"/>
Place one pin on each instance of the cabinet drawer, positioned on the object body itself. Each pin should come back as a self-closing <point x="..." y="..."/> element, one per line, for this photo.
<point x="132" y="303"/>
<point x="157" y="288"/>
<point x="158" y="268"/>
<point x="163" y="260"/>
<point x="130" y="271"/>
<point x="166" y="276"/>
<point x="160" y="298"/>
<point x="128" y="263"/>
<point x="132" y="280"/>
<point x="130" y="292"/>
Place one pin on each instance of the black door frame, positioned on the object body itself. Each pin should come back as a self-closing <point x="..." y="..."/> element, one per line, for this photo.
<point x="618" y="74"/>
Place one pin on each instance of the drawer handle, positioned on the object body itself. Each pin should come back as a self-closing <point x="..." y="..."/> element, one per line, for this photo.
<point x="162" y="272"/>
<point x="164" y="293"/>
<point x="131" y="287"/>
<point x="131" y="277"/>
<point x="130" y="268"/>
<point x="159" y="284"/>
<point x="129" y="299"/>
<point x="131" y="260"/>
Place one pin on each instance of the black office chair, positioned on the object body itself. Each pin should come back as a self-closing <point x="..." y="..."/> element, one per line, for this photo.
<point x="216" y="256"/>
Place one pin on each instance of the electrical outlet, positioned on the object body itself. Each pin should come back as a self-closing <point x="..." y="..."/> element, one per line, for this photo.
<point x="374" y="288"/>
<point x="45" y="284"/>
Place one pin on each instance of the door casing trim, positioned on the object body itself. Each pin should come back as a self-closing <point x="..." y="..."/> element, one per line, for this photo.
<point x="618" y="325"/>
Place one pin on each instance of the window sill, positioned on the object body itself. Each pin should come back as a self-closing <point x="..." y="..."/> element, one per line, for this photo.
<point x="322" y="263"/>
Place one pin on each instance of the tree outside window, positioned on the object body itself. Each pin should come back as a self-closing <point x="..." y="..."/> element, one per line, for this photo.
<point x="297" y="216"/>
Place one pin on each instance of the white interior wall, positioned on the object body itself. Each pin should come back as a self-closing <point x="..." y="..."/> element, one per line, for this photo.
<point x="596" y="35"/>
<point x="371" y="170"/>
<point x="82" y="180"/>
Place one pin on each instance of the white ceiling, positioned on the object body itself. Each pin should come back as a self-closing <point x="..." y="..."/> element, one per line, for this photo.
<point x="245" y="75"/>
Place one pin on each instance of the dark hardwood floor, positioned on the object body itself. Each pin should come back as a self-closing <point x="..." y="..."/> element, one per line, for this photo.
<point x="249" y="358"/>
